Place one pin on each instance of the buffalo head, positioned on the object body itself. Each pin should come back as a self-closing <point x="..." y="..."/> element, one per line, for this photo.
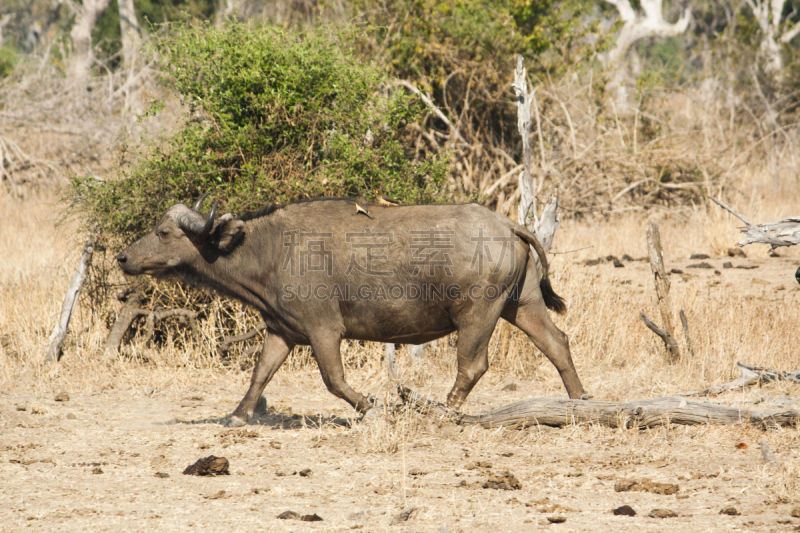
<point x="182" y="236"/>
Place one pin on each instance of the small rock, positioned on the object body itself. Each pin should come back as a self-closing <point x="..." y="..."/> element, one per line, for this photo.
<point x="221" y="495"/>
<point x="97" y="470"/>
<point x="511" y="387"/>
<point x="699" y="256"/>
<point x="618" y="264"/>
<point x="625" y="510"/>
<point x="402" y="516"/>
<point x="662" y="513"/>
<point x="736" y="252"/>
<point x="727" y="264"/>
<point x="503" y="480"/>
<point x="774" y="253"/>
<point x="311" y="518"/>
<point x="611" y="258"/>
<point x="162" y="475"/>
<point x="275" y="444"/>
<point x="795" y="512"/>
<point x="676" y="271"/>
<point x="557" y="519"/>
<point x="700" y="265"/>
<point x="289" y="515"/>
<point x="285" y="471"/>
<point x="730" y="511"/>
<point x="71" y="416"/>
<point x="209" y="466"/>
<point x="593" y="262"/>
<point x="780" y="288"/>
<point x="416" y="472"/>
<point x="21" y="408"/>
<point x="259" y="490"/>
<point x="62" y="397"/>
<point x="746" y="267"/>
<point x="626" y="257"/>
<point x="306" y="472"/>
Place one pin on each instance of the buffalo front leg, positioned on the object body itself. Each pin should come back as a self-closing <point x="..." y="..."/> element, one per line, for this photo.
<point x="273" y="354"/>
<point x="472" y="354"/>
<point x="329" y="360"/>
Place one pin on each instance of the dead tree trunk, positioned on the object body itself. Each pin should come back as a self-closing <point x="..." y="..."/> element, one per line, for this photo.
<point x="662" y="293"/>
<point x="785" y="232"/>
<point x="131" y="41"/>
<point x="544" y="228"/>
<point x="53" y="352"/>
<point x="80" y="61"/>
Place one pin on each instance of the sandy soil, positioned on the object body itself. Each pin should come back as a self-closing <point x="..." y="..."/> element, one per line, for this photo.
<point x="91" y="463"/>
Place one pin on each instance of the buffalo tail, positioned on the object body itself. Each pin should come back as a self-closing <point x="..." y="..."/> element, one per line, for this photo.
<point x="553" y="301"/>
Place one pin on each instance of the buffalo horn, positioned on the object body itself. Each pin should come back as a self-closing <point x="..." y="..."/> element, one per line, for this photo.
<point x="199" y="202"/>
<point x="209" y="223"/>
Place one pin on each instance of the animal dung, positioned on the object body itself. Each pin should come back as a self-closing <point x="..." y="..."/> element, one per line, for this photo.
<point x="291" y="515"/>
<point x="209" y="466"/>
<point x="736" y="252"/>
<point x="699" y="265"/>
<point x="403" y="516"/>
<point x="502" y="480"/>
<point x="624" y="510"/>
<point x="645" y="485"/>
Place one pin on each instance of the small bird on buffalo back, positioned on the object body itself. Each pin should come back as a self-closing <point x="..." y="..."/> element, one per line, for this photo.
<point x="384" y="200"/>
<point x="361" y="205"/>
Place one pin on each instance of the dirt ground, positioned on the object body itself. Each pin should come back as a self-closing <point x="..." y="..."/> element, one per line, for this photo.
<point x="112" y="457"/>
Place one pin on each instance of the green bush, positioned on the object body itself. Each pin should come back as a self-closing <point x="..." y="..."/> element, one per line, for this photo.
<point x="273" y="116"/>
<point x="9" y="57"/>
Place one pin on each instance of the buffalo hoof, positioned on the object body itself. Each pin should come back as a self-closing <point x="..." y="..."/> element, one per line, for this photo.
<point x="233" y="422"/>
<point x="373" y="414"/>
<point x="587" y="396"/>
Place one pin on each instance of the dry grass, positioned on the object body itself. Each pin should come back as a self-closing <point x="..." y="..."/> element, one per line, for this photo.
<point x="737" y="315"/>
<point x="731" y="317"/>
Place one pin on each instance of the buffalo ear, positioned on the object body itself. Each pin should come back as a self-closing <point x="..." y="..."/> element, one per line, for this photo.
<point x="228" y="232"/>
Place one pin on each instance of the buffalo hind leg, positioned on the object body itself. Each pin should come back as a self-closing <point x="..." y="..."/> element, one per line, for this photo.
<point x="329" y="360"/>
<point x="273" y="354"/>
<point x="534" y="320"/>
<point x="472" y="357"/>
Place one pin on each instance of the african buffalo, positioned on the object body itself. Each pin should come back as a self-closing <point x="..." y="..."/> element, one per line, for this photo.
<point x="319" y="273"/>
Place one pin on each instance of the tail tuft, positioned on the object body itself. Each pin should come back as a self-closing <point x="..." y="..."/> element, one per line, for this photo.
<point x="552" y="300"/>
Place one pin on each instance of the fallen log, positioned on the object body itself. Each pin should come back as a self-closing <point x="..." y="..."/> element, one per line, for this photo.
<point x="558" y="412"/>
<point x="751" y="375"/>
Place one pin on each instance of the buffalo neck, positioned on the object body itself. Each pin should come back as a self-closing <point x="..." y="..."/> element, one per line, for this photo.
<point x="243" y="272"/>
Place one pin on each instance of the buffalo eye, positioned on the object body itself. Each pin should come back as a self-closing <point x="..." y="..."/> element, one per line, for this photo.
<point x="162" y="234"/>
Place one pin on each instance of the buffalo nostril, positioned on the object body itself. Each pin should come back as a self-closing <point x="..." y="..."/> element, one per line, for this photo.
<point x="121" y="258"/>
